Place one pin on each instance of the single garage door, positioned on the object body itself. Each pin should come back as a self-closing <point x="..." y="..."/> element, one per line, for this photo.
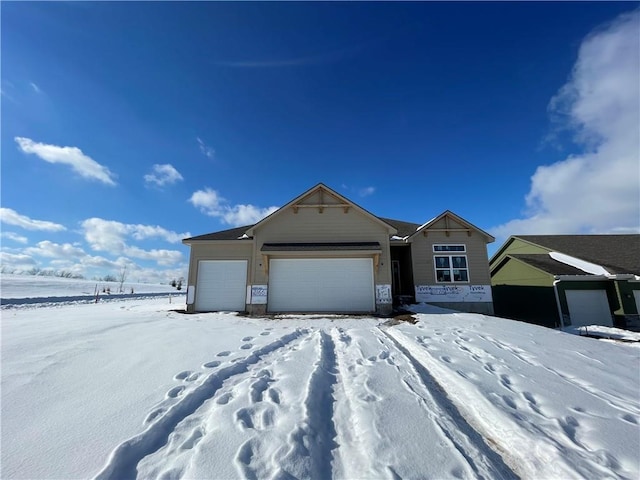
<point x="589" y="307"/>
<point x="222" y="285"/>
<point x="321" y="285"/>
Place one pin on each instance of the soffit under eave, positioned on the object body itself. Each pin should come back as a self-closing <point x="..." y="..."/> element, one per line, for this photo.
<point x="345" y="204"/>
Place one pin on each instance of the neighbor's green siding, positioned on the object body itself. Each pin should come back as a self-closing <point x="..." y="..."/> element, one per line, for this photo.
<point x="627" y="300"/>
<point x="518" y="246"/>
<point x="515" y="272"/>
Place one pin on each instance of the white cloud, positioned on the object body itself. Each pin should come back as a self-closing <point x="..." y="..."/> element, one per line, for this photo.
<point x="72" y="156"/>
<point x="162" y="175"/>
<point x="206" y="150"/>
<point x="365" y="192"/>
<point x="17" y="261"/>
<point x="50" y="249"/>
<point x="110" y="236"/>
<point x="11" y="217"/>
<point x="211" y="203"/>
<point x="597" y="191"/>
<point x="161" y="257"/>
<point x="35" y="87"/>
<point x="15" y="237"/>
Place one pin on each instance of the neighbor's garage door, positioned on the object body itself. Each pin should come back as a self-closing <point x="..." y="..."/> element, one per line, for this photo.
<point x="589" y="307"/>
<point x="222" y="285"/>
<point x="321" y="285"/>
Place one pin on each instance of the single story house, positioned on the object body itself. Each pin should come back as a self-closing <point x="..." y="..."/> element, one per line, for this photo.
<point x="321" y="252"/>
<point x="568" y="280"/>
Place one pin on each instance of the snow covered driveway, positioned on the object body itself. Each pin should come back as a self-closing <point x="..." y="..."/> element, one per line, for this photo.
<point x="132" y="389"/>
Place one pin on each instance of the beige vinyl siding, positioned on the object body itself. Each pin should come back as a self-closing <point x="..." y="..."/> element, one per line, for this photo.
<point x="332" y="225"/>
<point x="476" y="252"/>
<point x="515" y="272"/>
<point x="217" y="251"/>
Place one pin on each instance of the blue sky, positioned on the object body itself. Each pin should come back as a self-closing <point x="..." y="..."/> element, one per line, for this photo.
<point x="127" y="126"/>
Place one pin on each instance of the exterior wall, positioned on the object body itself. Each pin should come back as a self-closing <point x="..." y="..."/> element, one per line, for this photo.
<point x="309" y="225"/>
<point x="424" y="273"/>
<point x="531" y="304"/>
<point x="626" y="296"/>
<point x="564" y="286"/>
<point x="518" y="273"/>
<point x="628" y="315"/>
<point x="517" y="246"/>
<point x="237" y="250"/>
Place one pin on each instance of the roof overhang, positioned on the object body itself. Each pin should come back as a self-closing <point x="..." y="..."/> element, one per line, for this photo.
<point x="343" y="203"/>
<point x="466" y="226"/>
<point x="360" y="247"/>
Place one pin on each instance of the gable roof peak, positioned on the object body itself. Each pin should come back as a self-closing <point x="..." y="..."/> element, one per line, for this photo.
<point x="344" y="203"/>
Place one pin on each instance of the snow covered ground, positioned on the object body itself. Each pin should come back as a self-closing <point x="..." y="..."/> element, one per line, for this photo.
<point x="136" y="389"/>
<point x="20" y="290"/>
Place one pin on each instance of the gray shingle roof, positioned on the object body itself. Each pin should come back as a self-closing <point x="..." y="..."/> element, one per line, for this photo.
<point x="616" y="253"/>
<point x="547" y="264"/>
<point x="404" y="229"/>
<point x="231" y="234"/>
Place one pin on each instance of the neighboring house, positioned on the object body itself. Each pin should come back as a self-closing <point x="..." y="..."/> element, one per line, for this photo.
<point x="568" y="280"/>
<point x="323" y="253"/>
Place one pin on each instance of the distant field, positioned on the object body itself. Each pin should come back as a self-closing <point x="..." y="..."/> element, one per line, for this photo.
<point x="30" y="286"/>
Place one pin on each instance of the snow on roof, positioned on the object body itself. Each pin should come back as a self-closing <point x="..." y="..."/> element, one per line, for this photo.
<point x="425" y="224"/>
<point x="396" y="237"/>
<point x="583" y="265"/>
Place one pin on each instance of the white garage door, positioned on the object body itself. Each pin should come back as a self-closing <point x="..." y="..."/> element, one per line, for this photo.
<point x="321" y="285"/>
<point x="222" y="285"/>
<point x="589" y="307"/>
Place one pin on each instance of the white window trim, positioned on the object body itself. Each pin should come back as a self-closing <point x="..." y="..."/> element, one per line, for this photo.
<point x="464" y="248"/>
<point x="451" y="267"/>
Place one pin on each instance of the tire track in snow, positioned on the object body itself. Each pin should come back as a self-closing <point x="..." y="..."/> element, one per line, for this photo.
<point x="312" y="442"/>
<point x="483" y="460"/>
<point x="123" y="461"/>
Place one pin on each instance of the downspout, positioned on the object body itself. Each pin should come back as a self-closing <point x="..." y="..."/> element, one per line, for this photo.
<point x="555" y="291"/>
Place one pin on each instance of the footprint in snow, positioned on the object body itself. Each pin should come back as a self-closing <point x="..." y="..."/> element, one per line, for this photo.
<point x="153" y="415"/>
<point x="193" y="377"/>
<point x="264" y="334"/>
<point x="226" y="353"/>
<point x="193" y="439"/>
<point x="175" y="392"/>
<point x="224" y="398"/>
<point x="243" y="418"/>
<point x="246" y="346"/>
<point x="627" y="417"/>
<point x="211" y="364"/>
<point x="182" y="375"/>
<point x="247" y="339"/>
<point x="274" y="395"/>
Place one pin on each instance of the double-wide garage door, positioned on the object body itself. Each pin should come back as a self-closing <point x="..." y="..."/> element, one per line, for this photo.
<point x="222" y="285"/>
<point x="321" y="285"/>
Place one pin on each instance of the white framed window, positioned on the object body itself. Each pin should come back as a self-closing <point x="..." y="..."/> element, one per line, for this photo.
<point x="449" y="248"/>
<point x="451" y="268"/>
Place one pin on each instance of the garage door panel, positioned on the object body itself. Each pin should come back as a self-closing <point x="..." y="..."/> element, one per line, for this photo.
<point x="588" y="307"/>
<point x="221" y="285"/>
<point x="321" y="285"/>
